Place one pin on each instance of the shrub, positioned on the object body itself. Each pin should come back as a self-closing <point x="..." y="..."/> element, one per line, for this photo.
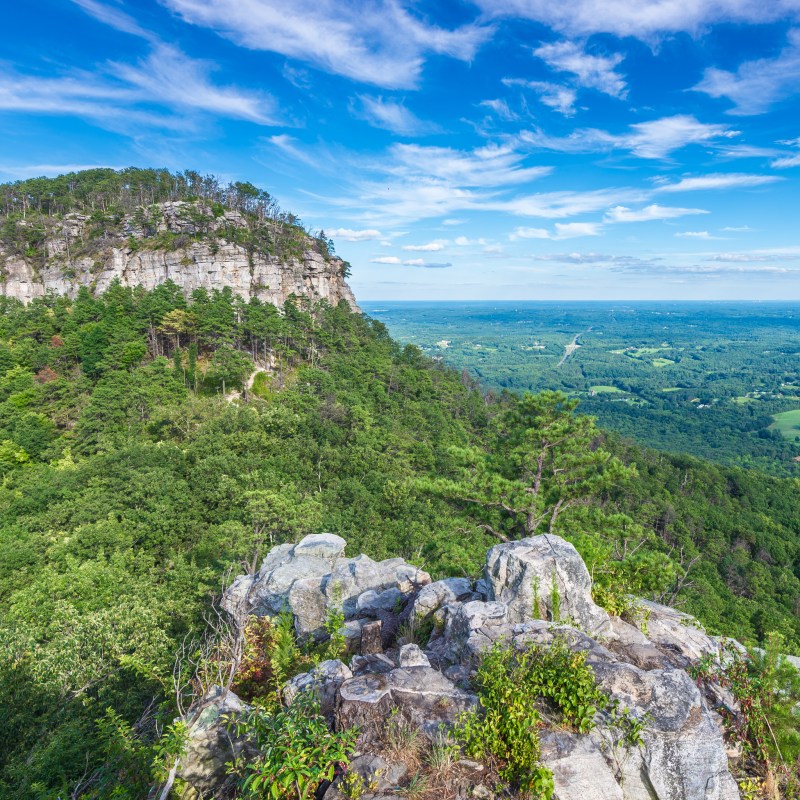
<point x="296" y="750"/>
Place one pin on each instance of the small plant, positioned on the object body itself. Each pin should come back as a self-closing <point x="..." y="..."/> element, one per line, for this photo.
<point x="767" y="727"/>
<point x="417" y="630"/>
<point x="416" y="787"/>
<point x="537" y="604"/>
<point x="402" y="740"/>
<point x="296" y="750"/>
<point x="353" y="785"/>
<point x="555" y="599"/>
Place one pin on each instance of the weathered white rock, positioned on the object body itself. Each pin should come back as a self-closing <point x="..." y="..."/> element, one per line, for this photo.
<point x="679" y="636"/>
<point x="197" y="264"/>
<point x="579" y="769"/>
<point x="469" y="629"/>
<point x="683" y="752"/>
<point x="411" y="656"/>
<point x="526" y="573"/>
<point x="435" y="595"/>
<point x="325" y="680"/>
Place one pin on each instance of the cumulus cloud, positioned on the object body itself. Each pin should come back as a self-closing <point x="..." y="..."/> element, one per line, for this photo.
<point x="561" y="230"/>
<point x="655" y="139"/>
<point x="393" y="116"/>
<point x="757" y="85"/>
<point x="376" y="42"/>
<point x="350" y="235"/>
<point x="589" y="71"/>
<point x="648" y="213"/>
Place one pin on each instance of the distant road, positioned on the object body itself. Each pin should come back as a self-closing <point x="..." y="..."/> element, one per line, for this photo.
<point x="570" y="348"/>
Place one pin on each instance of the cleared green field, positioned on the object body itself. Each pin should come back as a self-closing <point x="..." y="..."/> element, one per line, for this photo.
<point x="605" y="389"/>
<point x="788" y="423"/>
<point x="662" y="362"/>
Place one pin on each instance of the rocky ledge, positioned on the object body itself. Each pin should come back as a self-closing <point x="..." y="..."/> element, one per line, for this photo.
<point x="203" y="254"/>
<point x="681" y="755"/>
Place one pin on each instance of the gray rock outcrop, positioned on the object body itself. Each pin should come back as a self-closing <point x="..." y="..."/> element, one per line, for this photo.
<point x="194" y="265"/>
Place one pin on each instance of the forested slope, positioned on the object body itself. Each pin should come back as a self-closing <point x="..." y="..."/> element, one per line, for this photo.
<point x="131" y="484"/>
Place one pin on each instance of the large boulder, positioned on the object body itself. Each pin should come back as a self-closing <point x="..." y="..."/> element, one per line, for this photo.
<point x="679" y="636"/>
<point x="528" y="574"/>
<point x="324" y="680"/>
<point x="440" y="593"/>
<point x="580" y="771"/>
<point x="312" y="577"/>
<point x="210" y="745"/>
<point x="683" y="753"/>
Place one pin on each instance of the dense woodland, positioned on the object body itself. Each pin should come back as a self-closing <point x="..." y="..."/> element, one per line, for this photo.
<point x="699" y="378"/>
<point x="139" y="465"/>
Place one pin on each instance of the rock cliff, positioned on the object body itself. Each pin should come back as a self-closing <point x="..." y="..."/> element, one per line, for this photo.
<point x="184" y="242"/>
<point x="681" y="753"/>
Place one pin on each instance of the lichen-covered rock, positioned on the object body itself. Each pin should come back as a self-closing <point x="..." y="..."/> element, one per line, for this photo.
<point x="411" y="656"/>
<point x="529" y="573"/>
<point x="210" y="744"/>
<point x="469" y="629"/>
<point x="631" y="645"/>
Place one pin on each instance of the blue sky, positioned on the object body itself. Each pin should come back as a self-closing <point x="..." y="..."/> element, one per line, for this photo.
<point x="496" y="149"/>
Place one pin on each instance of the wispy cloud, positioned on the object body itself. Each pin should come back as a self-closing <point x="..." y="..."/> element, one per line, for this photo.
<point x="116" y="18"/>
<point x="644" y="19"/>
<point x="757" y="85"/>
<point x="164" y="90"/>
<point x="501" y="109"/>
<point x="393" y="116"/>
<point x="553" y="95"/>
<point x="704" y="235"/>
<point x="411" y="262"/>
<point x="648" y="213"/>
<point x="589" y="71"/>
<point x="732" y="180"/>
<point x="656" y="139"/>
<point x="376" y="42"/>
<point x="790" y="160"/>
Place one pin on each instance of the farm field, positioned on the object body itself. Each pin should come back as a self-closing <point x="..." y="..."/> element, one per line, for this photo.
<point x="717" y="380"/>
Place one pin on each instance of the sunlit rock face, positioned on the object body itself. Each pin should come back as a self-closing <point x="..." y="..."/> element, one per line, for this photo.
<point x="136" y="260"/>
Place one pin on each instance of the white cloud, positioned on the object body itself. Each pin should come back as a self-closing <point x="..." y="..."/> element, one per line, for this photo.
<point x="648" y="213"/>
<point x="109" y="15"/>
<point x="411" y="262"/>
<point x="590" y="71"/>
<point x="387" y="260"/>
<point x="705" y="235"/>
<point x="452" y="222"/>
<point x="430" y="247"/>
<point x="501" y="109"/>
<point x="562" y="230"/>
<point x="121" y="96"/>
<point x="738" y="229"/>
<point x="733" y="180"/>
<point x="791" y="160"/>
<point x="288" y="146"/>
<point x="558" y="205"/>
<point x="350" y="235"/>
<point x="553" y="95"/>
<point x="393" y="116"/>
<point x="373" y="41"/>
<point x="645" y="19"/>
<point x="655" y="139"/>
<point x="757" y="85"/>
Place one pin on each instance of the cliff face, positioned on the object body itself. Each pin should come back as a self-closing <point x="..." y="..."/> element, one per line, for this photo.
<point x="179" y="241"/>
